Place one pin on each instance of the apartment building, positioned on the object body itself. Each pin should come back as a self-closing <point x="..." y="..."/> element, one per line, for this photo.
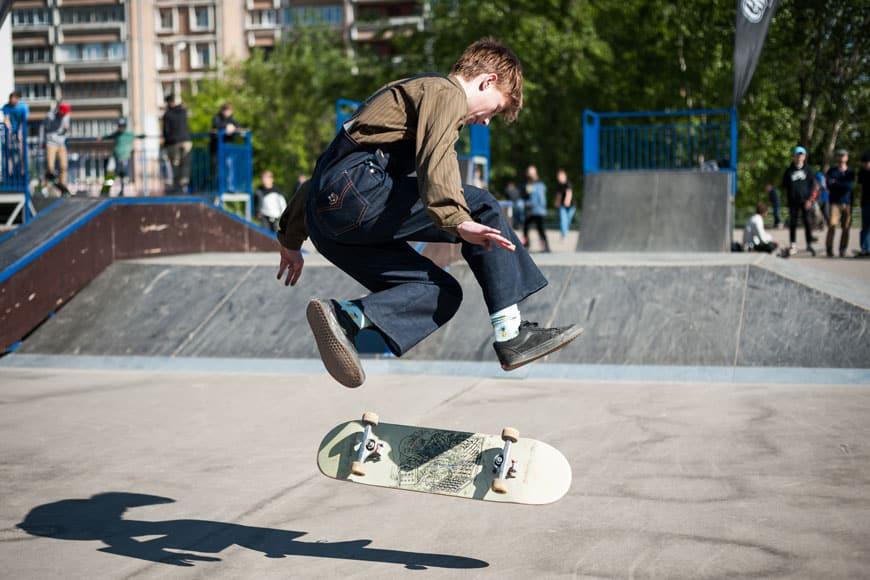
<point x="73" y="50"/>
<point x="113" y="58"/>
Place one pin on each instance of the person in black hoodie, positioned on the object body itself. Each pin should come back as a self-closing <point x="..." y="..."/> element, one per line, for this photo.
<point x="798" y="184"/>
<point x="177" y="143"/>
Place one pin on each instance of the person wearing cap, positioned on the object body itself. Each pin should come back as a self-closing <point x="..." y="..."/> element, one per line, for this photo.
<point x="119" y="163"/>
<point x="840" y="180"/>
<point x="798" y="183"/>
<point x="864" y="182"/>
<point x="56" y="129"/>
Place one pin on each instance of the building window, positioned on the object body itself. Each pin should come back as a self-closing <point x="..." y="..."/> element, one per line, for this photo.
<point x="304" y="16"/>
<point x="34" y="91"/>
<point x="201" y="55"/>
<point x="97" y="51"/>
<point x="92" y="14"/>
<point x="94" y="90"/>
<point x="166" y="57"/>
<point x="263" y="19"/>
<point x="201" y="18"/>
<point x="31" y="17"/>
<point x="31" y="54"/>
<point x="166" y="21"/>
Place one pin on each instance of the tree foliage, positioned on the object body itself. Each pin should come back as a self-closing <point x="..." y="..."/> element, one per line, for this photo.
<point x="811" y="86"/>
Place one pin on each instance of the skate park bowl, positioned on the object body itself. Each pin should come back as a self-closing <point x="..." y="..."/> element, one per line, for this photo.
<point x="700" y="311"/>
<point x="46" y="262"/>
<point x="656" y="211"/>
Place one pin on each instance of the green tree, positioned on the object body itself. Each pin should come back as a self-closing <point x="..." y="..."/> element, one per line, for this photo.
<point x="287" y="100"/>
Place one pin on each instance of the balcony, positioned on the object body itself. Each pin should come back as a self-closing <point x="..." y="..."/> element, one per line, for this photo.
<point x="384" y="27"/>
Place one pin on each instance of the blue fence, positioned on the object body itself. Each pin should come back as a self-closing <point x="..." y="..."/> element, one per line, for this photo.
<point x="660" y="140"/>
<point x="14" y="175"/>
<point x="217" y="165"/>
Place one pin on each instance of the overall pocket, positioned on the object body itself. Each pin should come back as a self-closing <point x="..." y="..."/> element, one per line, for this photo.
<point x="352" y="196"/>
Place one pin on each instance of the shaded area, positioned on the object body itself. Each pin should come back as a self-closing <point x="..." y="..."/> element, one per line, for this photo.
<point x="656" y="211"/>
<point x="100" y="518"/>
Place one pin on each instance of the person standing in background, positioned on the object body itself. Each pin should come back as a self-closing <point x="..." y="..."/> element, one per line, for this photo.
<point x="536" y="207"/>
<point x="824" y="200"/>
<point x="864" y="182"/>
<point x="56" y="129"/>
<point x="773" y="199"/>
<point x="564" y="201"/>
<point x="840" y="181"/>
<point x="15" y="114"/>
<point x="798" y="183"/>
<point x="119" y="163"/>
<point x="177" y="143"/>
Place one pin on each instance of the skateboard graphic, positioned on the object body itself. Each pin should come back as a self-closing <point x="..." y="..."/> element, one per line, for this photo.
<point x="471" y="465"/>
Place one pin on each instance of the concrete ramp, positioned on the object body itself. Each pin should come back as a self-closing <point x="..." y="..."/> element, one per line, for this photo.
<point x="656" y="211"/>
<point x="740" y="311"/>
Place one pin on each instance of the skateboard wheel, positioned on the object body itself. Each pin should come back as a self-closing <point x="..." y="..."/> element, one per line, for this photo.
<point x="370" y="418"/>
<point x="509" y="434"/>
<point x="357" y="468"/>
<point x="499" y="486"/>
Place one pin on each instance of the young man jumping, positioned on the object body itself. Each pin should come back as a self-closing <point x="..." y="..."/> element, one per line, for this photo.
<point x="363" y="204"/>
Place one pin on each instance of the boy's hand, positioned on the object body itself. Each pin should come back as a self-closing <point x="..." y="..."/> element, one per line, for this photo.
<point x="475" y="233"/>
<point x="292" y="262"/>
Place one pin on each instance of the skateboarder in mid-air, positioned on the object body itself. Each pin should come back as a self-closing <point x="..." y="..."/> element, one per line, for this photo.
<point x="363" y="204"/>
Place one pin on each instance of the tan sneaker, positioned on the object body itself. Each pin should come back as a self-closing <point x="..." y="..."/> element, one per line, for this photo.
<point x="334" y="332"/>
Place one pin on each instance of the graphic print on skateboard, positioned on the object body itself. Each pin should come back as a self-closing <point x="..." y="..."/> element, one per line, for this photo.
<point x="509" y="468"/>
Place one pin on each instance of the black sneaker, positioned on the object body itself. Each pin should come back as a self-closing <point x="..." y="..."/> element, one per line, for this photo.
<point x="532" y="343"/>
<point x="335" y="332"/>
<point x="812" y="251"/>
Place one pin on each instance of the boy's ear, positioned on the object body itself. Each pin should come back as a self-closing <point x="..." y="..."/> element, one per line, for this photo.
<point x="487" y="80"/>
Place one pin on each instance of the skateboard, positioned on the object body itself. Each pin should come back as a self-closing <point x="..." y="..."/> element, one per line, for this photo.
<point x="509" y="468"/>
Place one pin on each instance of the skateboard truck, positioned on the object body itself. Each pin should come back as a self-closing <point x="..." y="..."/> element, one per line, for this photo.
<point x="501" y="461"/>
<point x="369" y="447"/>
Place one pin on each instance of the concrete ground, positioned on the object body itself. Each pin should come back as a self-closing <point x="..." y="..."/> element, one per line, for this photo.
<point x="134" y="474"/>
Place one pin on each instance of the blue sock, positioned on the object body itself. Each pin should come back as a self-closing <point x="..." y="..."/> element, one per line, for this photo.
<point x="355" y="312"/>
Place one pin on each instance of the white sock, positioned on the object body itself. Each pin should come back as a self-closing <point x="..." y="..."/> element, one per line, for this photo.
<point x="356" y="313"/>
<point x="506" y="323"/>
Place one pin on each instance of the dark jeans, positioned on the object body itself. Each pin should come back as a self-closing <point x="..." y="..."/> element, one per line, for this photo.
<point x="360" y="217"/>
<point x="865" y="228"/>
<point x="793" y="211"/>
<point x="538" y="220"/>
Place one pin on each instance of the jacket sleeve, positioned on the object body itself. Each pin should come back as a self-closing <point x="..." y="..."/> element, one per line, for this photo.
<point x="291" y="227"/>
<point x="439" y="119"/>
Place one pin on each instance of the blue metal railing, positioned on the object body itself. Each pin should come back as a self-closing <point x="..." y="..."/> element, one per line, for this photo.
<point x="14" y="173"/>
<point x="668" y="140"/>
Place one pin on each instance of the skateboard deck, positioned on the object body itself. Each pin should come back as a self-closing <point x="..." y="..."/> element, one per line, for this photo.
<point x="445" y="462"/>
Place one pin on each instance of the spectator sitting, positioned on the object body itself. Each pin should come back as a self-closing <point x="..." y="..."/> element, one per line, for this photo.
<point x="270" y="202"/>
<point x="755" y="239"/>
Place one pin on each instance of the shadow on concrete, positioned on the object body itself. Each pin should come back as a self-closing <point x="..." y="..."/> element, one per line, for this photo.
<point x="101" y="518"/>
